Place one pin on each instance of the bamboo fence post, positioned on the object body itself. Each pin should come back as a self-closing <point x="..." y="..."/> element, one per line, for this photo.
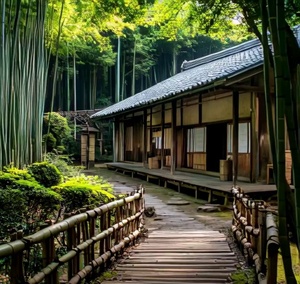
<point x="102" y="242"/>
<point x="17" y="273"/>
<point x="273" y="246"/>
<point x="85" y="236"/>
<point x="262" y="238"/>
<point x="92" y="232"/>
<point x="108" y="238"/>
<point x="71" y="240"/>
<point x="254" y="221"/>
<point x="48" y="256"/>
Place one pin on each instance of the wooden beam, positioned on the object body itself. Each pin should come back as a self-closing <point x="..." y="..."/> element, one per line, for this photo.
<point x="162" y="154"/>
<point x="235" y="146"/>
<point x="243" y="87"/>
<point x="145" y="161"/>
<point x="174" y="137"/>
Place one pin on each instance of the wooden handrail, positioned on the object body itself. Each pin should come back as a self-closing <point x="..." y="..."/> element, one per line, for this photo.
<point x="256" y="231"/>
<point x="85" y="246"/>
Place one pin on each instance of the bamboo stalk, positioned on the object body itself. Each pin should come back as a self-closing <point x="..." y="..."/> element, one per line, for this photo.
<point x="277" y="9"/>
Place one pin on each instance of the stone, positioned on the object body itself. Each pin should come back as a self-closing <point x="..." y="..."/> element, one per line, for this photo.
<point x="209" y="209"/>
<point x="178" y="202"/>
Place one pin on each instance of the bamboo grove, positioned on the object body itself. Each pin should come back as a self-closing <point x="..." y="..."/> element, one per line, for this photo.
<point x="24" y="65"/>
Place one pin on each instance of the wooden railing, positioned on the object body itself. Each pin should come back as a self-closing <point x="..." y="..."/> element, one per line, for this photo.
<point x="78" y="247"/>
<point x="255" y="229"/>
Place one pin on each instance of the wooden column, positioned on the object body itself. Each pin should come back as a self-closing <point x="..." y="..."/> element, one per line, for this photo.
<point x="151" y="135"/>
<point x="121" y="138"/>
<point x="254" y="138"/>
<point x="235" y="146"/>
<point x="116" y="140"/>
<point x="162" y="152"/>
<point x="145" y="138"/>
<point x="174" y="138"/>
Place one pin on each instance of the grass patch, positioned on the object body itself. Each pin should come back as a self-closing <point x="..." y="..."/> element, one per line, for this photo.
<point x="295" y="262"/>
<point x="106" y="275"/>
<point x="245" y="276"/>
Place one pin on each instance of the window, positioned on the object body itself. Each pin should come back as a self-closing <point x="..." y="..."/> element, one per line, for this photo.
<point x="244" y="138"/>
<point x="196" y="140"/>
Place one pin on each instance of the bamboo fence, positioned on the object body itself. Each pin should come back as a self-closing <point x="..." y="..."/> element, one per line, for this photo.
<point x="90" y="239"/>
<point x="256" y="232"/>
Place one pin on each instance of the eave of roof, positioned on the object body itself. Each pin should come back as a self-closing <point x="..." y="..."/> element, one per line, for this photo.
<point x="198" y="74"/>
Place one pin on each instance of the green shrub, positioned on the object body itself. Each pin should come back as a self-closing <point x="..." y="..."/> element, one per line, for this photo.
<point x="79" y="192"/>
<point x="49" y="141"/>
<point x="11" y="174"/>
<point x="12" y="210"/>
<point x="45" y="173"/>
<point x="41" y="202"/>
<point x="59" y="128"/>
<point x="19" y="173"/>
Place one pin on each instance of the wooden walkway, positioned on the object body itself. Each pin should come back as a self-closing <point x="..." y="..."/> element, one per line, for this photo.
<point x="209" y="185"/>
<point x="179" y="249"/>
<point x="179" y="257"/>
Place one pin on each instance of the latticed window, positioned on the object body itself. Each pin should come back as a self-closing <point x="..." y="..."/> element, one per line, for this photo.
<point x="244" y="137"/>
<point x="196" y="140"/>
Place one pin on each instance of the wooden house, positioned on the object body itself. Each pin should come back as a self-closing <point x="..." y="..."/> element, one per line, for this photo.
<point x="211" y="112"/>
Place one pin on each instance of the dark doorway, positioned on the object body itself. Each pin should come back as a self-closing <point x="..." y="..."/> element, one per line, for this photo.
<point x="215" y="146"/>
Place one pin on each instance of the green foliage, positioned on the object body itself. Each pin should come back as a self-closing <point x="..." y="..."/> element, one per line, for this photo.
<point x="49" y="141"/>
<point x="45" y="173"/>
<point x="41" y="202"/>
<point x="24" y="202"/>
<point x="10" y="175"/>
<point x="84" y="191"/>
<point x="12" y="210"/>
<point x="246" y="276"/>
<point x="18" y="173"/>
<point x="64" y="164"/>
<point x="59" y="130"/>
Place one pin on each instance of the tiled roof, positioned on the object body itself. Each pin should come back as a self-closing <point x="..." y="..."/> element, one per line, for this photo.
<point x="196" y="74"/>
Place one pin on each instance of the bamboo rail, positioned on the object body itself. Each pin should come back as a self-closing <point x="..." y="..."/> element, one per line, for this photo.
<point x="255" y="230"/>
<point x="89" y="238"/>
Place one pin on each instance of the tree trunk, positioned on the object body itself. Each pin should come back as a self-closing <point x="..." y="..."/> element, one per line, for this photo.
<point x="133" y="69"/>
<point x="118" y="71"/>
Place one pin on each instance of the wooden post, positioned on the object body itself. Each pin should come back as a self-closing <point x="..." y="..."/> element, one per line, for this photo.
<point x="17" y="273"/>
<point x="102" y="242"/>
<point x="235" y="146"/>
<point x="174" y="138"/>
<point x="162" y="154"/>
<point x="145" y="138"/>
<point x="114" y="142"/>
<point x="254" y="138"/>
<point x="151" y="134"/>
<point x="71" y="241"/>
<point x="117" y="140"/>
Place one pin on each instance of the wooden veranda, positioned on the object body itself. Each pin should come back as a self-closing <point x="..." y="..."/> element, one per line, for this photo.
<point x="198" y="185"/>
